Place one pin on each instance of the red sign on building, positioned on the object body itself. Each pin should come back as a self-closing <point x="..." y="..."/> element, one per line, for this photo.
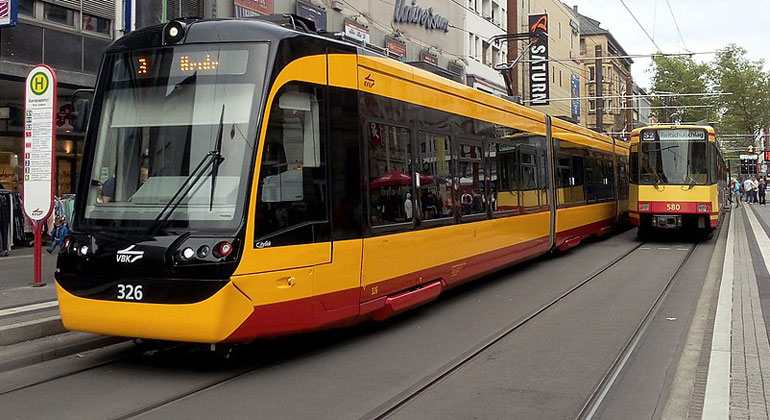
<point x="257" y="7"/>
<point x="395" y="46"/>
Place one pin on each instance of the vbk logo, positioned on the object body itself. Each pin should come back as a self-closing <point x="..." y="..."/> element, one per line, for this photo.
<point x="128" y="255"/>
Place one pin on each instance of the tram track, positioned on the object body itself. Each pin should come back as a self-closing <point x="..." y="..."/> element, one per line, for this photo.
<point x="277" y="351"/>
<point x="396" y="403"/>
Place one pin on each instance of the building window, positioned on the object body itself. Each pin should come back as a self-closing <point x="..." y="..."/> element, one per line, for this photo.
<point x="486" y="53"/>
<point x="560" y="78"/>
<point x="27" y="8"/>
<point x="96" y="24"/>
<point x="58" y="14"/>
<point x="591" y="74"/>
<point x="592" y="105"/>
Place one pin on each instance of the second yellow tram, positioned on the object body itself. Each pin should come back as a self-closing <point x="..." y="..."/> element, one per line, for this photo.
<point x="677" y="179"/>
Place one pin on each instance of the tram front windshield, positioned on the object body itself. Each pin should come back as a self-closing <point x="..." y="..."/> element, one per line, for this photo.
<point x="674" y="156"/>
<point x="159" y="118"/>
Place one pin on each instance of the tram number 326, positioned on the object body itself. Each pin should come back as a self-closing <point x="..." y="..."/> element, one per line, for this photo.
<point x="673" y="206"/>
<point x="130" y="292"/>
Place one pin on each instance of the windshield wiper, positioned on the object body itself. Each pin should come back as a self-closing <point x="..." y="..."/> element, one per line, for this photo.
<point x="218" y="159"/>
<point x="212" y="158"/>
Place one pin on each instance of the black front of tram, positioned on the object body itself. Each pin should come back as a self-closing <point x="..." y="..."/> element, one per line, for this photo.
<point x="165" y="174"/>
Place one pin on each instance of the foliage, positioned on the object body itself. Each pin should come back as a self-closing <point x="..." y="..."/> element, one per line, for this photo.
<point x="747" y="110"/>
<point x="679" y="75"/>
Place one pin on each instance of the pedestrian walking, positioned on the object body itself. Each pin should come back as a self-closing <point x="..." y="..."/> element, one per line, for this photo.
<point x="762" y="189"/>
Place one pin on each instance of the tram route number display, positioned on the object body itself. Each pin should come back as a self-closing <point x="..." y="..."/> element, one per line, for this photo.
<point x="673" y="206"/>
<point x="39" y="142"/>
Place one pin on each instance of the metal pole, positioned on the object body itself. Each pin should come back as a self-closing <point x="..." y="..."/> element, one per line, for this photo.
<point x="37" y="280"/>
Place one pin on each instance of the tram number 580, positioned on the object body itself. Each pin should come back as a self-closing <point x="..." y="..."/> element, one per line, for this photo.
<point x="673" y="206"/>
<point x="130" y="292"/>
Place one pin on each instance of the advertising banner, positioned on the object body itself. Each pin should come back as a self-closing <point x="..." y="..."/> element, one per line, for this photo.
<point x="538" y="55"/>
<point x="575" y="82"/>
<point x="9" y="10"/>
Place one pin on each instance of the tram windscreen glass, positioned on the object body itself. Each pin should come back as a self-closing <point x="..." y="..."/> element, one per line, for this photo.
<point x="674" y="156"/>
<point x="159" y="117"/>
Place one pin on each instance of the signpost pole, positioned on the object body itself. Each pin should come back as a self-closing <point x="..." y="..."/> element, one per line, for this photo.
<point x="39" y="155"/>
<point x="38" y="275"/>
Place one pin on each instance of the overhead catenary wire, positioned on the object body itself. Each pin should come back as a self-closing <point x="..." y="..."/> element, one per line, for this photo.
<point x="684" y="44"/>
<point x="640" y="25"/>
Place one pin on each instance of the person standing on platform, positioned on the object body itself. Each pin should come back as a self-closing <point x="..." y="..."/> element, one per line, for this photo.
<point x="747" y="186"/>
<point x="762" y="189"/>
<point x="737" y="192"/>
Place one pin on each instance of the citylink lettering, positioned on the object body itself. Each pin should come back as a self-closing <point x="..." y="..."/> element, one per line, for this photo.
<point x="404" y="13"/>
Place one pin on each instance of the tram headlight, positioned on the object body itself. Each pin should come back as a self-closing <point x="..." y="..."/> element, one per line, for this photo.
<point x="83" y="250"/>
<point x="174" y="32"/>
<point x="644" y="206"/>
<point x="187" y="254"/>
<point x="703" y="207"/>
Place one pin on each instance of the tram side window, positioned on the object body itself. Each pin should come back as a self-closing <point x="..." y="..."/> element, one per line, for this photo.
<point x="390" y="174"/>
<point x="633" y="165"/>
<point x="472" y="179"/>
<point x="503" y="177"/>
<point x="528" y="184"/>
<point x="590" y="179"/>
<point x="564" y="180"/>
<point x="293" y="188"/>
<point x="609" y="175"/>
<point x="435" y="176"/>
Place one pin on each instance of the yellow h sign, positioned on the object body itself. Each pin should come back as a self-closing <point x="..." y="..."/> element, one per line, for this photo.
<point x="39" y="83"/>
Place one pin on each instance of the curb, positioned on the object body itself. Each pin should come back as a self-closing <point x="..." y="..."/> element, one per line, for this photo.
<point x="53" y="347"/>
<point x="30" y="330"/>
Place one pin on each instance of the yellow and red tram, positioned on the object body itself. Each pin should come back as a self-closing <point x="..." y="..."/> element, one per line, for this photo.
<point x="243" y="179"/>
<point x="678" y="178"/>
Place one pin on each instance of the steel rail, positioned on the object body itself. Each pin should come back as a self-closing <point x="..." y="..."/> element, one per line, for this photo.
<point x="403" y="398"/>
<point x="596" y="398"/>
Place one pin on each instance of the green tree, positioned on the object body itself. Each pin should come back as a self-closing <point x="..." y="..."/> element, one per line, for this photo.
<point x="672" y="75"/>
<point x="747" y="109"/>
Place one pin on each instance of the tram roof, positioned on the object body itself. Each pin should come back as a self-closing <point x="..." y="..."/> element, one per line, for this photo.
<point x="259" y="29"/>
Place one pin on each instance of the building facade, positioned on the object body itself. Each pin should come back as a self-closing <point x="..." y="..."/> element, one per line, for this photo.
<point x="613" y="101"/>
<point x="641" y="105"/>
<point x="69" y="36"/>
<point x="450" y="38"/>
<point x="564" y="72"/>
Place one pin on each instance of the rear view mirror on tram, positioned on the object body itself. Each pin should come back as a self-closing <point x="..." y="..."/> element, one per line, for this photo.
<point x="81" y="109"/>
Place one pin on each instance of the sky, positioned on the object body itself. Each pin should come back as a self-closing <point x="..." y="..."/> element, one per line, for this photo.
<point x="705" y="25"/>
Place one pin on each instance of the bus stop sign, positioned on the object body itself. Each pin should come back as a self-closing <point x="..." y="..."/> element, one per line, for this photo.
<point x="39" y="149"/>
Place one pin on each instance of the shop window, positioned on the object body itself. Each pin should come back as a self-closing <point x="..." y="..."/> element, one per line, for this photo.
<point x="96" y="24"/>
<point x="27" y="8"/>
<point x="390" y="175"/>
<point x="58" y="14"/>
<point x="293" y="187"/>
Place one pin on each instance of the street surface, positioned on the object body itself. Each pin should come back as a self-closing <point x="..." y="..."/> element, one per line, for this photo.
<point x="536" y="341"/>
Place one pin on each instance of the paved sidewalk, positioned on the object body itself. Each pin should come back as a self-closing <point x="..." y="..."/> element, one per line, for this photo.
<point x="738" y="384"/>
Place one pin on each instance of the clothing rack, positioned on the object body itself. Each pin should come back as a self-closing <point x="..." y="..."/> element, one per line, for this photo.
<point x="6" y="221"/>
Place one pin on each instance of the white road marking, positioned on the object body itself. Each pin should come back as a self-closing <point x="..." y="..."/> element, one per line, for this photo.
<point x="683" y="249"/>
<point x="664" y="248"/>
<point x="15" y="257"/>
<point x="716" y="401"/>
<point x="645" y="247"/>
<point x="28" y="308"/>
